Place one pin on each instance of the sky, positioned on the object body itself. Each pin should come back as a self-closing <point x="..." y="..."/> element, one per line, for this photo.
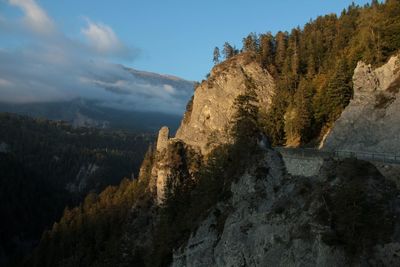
<point x="52" y="45"/>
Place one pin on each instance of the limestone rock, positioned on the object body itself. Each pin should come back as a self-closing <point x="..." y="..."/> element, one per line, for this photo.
<point x="275" y="220"/>
<point x="174" y="162"/>
<point x="371" y="122"/>
<point x="210" y="113"/>
<point x="207" y="120"/>
<point x="162" y="140"/>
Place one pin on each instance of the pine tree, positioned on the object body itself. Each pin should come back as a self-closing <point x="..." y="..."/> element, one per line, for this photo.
<point x="339" y="90"/>
<point x="246" y="118"/>
<point x="298" y="117"/>
<point x="216" y="55"/>
<point x="281" y="46"/>
<point x="273" y="122"/>
<point x="266" y="53"/>
<point x="250" y="43"/>
<point x="228" y="51"/>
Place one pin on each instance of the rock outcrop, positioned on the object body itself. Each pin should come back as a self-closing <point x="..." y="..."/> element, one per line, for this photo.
<point x="275" y="219"/>
<point x="160" y="171"/>
<point x="371" y="122"/>
<point x="319" y="214"/>
<point x="209" y="114"/>
<point x="173" y="159"/>
<point x="163" y="137"/>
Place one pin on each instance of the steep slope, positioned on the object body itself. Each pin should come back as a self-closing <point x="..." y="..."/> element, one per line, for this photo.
<point x="210" y="113"/>
<point x="344" y="216"/>
<point x="371" y="122"/>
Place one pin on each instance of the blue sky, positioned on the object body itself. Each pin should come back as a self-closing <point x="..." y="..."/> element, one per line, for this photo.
<point x="176" y="37"/>
<point x="58" y="50"/>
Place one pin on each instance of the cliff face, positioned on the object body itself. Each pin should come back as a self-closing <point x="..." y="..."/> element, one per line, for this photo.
<point x="371" y="122"/>
<point x="275" y="219"/>
<point x="208" y="118"/>
<point x="341" y="213"/>
<point x="210" y="115"/>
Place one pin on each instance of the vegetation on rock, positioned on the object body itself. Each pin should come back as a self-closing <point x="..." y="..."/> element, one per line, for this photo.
<point x="313" y="66"/>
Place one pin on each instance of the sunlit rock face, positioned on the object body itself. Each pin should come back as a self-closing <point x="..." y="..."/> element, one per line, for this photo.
<point x="371" y="122"/>
<point x="209" y="115"/>
<point x="162" y="140"/>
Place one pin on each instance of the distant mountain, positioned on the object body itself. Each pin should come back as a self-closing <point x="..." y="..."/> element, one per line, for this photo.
<point x="152" y="100"/>
<point x="90" y="113"/>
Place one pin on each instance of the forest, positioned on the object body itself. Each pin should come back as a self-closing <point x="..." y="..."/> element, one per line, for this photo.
<point x="48" y="165"/>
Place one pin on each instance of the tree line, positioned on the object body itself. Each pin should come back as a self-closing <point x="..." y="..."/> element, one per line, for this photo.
<point x="313" y="66"/>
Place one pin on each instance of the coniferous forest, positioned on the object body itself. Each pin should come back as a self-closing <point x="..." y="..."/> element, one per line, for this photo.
<point x="313" y="66"/>
<point x="47" y="166"/>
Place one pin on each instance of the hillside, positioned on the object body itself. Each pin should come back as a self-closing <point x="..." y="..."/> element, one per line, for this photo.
<point x="218" y="194"/>
<point x="46" y="166"/>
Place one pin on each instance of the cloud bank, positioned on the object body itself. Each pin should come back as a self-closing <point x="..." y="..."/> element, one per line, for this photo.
<point x="35" y="17"/>
<point x="50" y="66"/>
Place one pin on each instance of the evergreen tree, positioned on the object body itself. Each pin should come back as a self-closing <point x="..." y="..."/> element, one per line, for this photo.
<point x="298" y="116"/>
<point x="246" y="125"/>
<point x="273" y="122"/>
<point x="216" y="55"/>
<point x="250" y="43"/>
<point x="281" y="46"/>
<point x="339" y="90"/>
<point x="228" y="51"/>
<point x="266" y="51"/>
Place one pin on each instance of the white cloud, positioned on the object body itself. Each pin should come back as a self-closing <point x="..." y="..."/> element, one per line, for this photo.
<point x="50" y="66"/>
<point x="35" y="17"/>
<point x="102" y="37"/>
<point x="169" y="89"/>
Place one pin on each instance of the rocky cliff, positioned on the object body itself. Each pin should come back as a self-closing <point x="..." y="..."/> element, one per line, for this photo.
<point x="371" y="121"/>
<point x="209" y="114"/>
<point x="343" y="216"/>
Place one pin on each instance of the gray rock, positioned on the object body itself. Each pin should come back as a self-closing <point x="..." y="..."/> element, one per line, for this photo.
<point x="371" y="122"/>
<point x="272" y="221"/>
